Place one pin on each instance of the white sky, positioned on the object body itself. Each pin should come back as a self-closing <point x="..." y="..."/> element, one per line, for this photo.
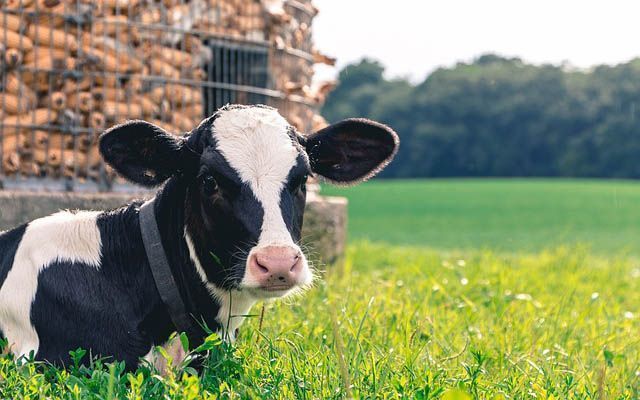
<point x="414" y="37"/>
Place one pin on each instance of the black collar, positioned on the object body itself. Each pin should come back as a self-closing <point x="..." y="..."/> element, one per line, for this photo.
<point x="165" y="283"/>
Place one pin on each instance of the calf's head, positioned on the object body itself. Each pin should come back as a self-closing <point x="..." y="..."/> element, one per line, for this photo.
<point x="244" y="171"/>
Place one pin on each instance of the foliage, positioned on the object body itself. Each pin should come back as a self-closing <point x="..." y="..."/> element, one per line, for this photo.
<point x="401" y="322"/>
<point x="502" y="117"/>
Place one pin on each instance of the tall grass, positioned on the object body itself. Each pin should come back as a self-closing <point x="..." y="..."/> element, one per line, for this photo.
<point x="403" y="322"/>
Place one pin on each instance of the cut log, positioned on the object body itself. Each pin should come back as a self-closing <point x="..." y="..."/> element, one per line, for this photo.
<point x="16" y="143"/>
<point x="183" y="123"/>
<point x="320" y="58"/>
<point x="65" y="141"/>
<point x="105" y="61"/>
<point x="47" y="64"/>
<point x="122" y="5"/>
<point x="37" y="139"/>
<point x="42" y="52"/>
<point x="96" y="121"/>
<point x="13" y="123"/>
<point x="14" y="40"/>
<point x="177" y="58"/>
<point x="176" y="94"/>
<point x="193" y="111"/>
<point x="14" y="85"/>
<point x="112" y="94"/>
<point x="118" y="112"/>
<point x="57" y="101"/>
<point x="74" y="86"/>
<point x="167" y="126"/>
<point x="14" y="104"/>
<point x="149" y="107"/>
<point x="113" y="59"/>
<point x="10" y="162"/>
<point x="136" y="82"/>
<point x="17" y="4"/>
<point x="161" y="68"/>
<point x="51" y="156"/>
<point x="150" y="16"/>
<point x="110" y="25"/>
<point x="42" y="5"/>
<point x="11" y="22"/>
<point x="56" y="38"/>
<point x="52" y="17"/>
<point x="81" y="101"/>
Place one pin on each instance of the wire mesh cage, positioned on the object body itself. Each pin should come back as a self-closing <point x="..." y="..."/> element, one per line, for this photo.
<point x="71" y="68"/>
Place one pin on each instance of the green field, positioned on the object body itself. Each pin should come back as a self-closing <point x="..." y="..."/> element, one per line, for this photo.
<point x="411" y="323"/>
<point x="505" y="215"/>
<point x="471" y="290"/>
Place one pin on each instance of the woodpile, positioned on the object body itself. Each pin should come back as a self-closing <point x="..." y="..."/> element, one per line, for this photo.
<point x="71" y="68"/>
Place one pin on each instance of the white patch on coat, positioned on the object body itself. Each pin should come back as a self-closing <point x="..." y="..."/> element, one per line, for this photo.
<point x="256" y="143"/>
<point x="66" y="237"/>
<point x="234" y="305"/>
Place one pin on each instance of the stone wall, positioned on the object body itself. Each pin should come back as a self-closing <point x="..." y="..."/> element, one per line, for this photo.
<point x="324" y="232"/>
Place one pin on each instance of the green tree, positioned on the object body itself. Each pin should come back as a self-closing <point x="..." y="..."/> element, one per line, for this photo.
<point x="500" y="116"/>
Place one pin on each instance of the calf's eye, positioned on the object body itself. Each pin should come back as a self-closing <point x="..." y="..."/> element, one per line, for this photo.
<point x="209" y="185"/>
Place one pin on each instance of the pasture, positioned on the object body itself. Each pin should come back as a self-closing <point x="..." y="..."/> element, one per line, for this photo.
<point x="499" y="214"/>
<point x="537" y="298"/>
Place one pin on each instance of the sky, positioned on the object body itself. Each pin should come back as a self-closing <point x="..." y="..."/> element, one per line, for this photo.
<point x="414" y="37"/>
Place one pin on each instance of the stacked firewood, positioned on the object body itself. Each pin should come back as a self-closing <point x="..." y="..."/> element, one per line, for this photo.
<point x="71" y="68"/>
<point x="292" y="59"/>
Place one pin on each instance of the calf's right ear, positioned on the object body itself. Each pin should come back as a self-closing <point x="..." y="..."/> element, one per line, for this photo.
<point x="142" y="152"/>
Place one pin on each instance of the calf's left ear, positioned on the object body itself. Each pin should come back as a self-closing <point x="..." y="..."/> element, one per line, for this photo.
<point x="351" y="150"/>
<point x="142" y="152"/>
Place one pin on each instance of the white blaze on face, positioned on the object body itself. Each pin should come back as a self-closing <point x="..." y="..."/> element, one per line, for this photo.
<point x="255" y="142"/>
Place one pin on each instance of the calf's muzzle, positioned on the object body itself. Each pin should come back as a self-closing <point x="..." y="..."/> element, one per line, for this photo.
<point x="276" y="268"/>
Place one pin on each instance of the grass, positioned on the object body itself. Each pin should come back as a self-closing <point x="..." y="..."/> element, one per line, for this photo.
<point x="451" y="289"/>
<point x="502" y="215"/>
<point x="403" y="322"/>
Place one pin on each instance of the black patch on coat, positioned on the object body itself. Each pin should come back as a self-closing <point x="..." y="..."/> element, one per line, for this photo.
<point x="104" y="309"/>
<point x="9" y="242"/>
<point x="293" y="197"/>
<point x="115" y="311"/>
<point x="170" y="208"/>
<point x="225" y="225"/>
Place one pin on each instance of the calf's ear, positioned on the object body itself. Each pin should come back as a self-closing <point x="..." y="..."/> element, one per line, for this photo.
<point x="352" y="150"/>
<point x="142" y="152"/>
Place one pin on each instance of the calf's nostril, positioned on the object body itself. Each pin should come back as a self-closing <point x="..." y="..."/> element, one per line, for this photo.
<point x="296" y="263"/>
<point x="262" y="267"/>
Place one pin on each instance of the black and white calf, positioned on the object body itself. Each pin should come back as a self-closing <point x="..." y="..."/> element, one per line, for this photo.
<point x="229" y="217"/>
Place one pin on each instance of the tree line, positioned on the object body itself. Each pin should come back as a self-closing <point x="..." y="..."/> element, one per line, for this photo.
<point x="500" y="116"/>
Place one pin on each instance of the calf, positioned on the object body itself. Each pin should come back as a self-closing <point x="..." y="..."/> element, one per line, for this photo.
<point x="221" y="233"/>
